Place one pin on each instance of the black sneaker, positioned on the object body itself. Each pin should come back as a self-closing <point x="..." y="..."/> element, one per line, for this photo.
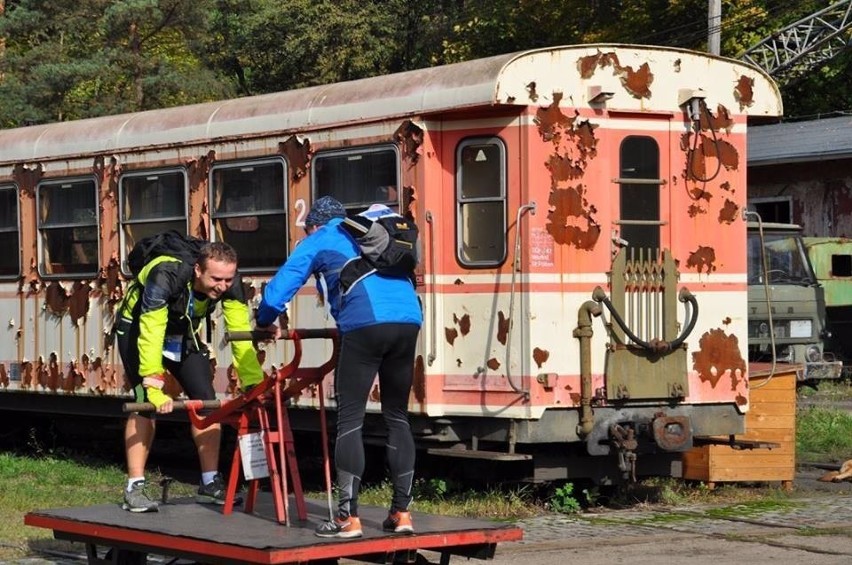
<point x="214" y="492"/>
<point x="137" y="500"/>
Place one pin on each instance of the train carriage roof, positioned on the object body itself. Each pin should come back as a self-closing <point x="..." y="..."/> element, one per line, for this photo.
<point x="572" y="74"/>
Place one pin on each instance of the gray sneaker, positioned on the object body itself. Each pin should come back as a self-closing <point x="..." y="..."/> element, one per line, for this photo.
<point x="214" y="492"/>
<point x="137" y="500"/>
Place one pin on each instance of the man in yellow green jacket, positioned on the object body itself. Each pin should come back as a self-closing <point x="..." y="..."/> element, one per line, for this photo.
<point x="157" y="331"/>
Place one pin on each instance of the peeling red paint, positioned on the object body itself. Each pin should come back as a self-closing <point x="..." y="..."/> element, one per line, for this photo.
<point x="718" y="353"/>
<point x="729" y="212"/>
<point x="463" y="323"/>
<point x="4" y="378"/>
<point x="636" y="82"/>
<point x="409" y="136"/>
<point x="727" y="321"/>
<point x="741" y="400"/>
<point x="26" y="375"/>
<point x="744" y="91"/>
<point x="540" y="356"/>
<point x="418" y="385"/>
<point x="78" y="302"/>
<point x="56" y="299"/>
<point x="53" y="373"/>
<point x="298" y="156"/>
<point x="570" y="203"/>
<point x="722" y="150"/>
<point x="198" y="169"/>
<point x="533" y="95"/>
<point x="109" y="280"/>
<point x="719" y="121"/>
<point x="493" y="364"/>
<point x="502" y="327"/>
<point x="451" y="334"/>
<point x="575" y="398"/>
<point x="571" y="216"/>
<point x="105" y="376"/>
<point x="40" y="373"/>
<point x="702" y="258"/>
<point x="694" y="210"/>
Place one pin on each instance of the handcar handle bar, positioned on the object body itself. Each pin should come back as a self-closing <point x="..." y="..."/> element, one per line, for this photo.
<point x="296" y="334"/>
<point x="177" y="404"/>
<point x="299" y="378"/>
<point x="287" y="382"/>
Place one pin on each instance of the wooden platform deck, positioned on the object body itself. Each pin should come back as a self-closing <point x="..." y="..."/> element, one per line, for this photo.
<point x="187" y="530"/>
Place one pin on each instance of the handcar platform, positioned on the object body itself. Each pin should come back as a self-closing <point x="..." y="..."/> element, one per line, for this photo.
<point x="184" y="529"/>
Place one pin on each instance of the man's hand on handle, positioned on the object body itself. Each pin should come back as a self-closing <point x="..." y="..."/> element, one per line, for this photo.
<point x="154" y="392"/>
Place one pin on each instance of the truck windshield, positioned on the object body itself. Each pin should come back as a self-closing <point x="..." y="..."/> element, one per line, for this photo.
<point x="786" y="261"/>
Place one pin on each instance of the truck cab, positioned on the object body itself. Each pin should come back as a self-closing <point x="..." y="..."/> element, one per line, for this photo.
<point x="786" y="303"/>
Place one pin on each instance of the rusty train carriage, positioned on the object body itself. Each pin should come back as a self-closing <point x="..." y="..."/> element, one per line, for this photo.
<point x="558" y="191"/>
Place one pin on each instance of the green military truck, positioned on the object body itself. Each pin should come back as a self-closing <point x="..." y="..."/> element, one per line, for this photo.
<point x="831" y="258"/>
<point x="787" y="308"/>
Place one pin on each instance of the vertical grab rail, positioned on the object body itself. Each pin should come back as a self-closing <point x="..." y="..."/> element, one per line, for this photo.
<point x="433" y="326"/>
<point x="516" y="266"/>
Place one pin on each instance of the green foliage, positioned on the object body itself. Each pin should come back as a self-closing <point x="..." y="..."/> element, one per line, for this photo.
<point x="69" y="59"/>
<point x="563" y="500"/>
<point x="76" y="59"/>
<point x="823" y="433"/>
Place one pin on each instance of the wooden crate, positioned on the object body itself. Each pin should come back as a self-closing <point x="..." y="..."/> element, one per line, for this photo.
<point x="771" y="418"/>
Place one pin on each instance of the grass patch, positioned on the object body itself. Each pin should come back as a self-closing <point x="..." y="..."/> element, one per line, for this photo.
<point x="676" y="492"/>
<point x="823" y="433"/>
<point x="435" y="496"/>
<point x="828" y="390"/>
<point x="751" y="509"/>
<point x="54" y="480"/>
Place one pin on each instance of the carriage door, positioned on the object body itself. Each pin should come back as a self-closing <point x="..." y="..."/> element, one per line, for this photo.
<point x="644" y="277"/>
<point x="481" y="349"/>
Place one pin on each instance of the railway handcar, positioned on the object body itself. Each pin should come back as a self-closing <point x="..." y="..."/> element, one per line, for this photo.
<point x="583" y="254"/>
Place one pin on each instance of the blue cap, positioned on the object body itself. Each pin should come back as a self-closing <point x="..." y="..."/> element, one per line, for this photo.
<point x="323" y="210"/>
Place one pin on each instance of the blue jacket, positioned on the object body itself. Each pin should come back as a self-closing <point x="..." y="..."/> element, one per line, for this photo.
<point x="376" y="299"/>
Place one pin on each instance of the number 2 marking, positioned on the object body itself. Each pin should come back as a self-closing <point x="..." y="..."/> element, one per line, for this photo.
<point x="301" y="212"/>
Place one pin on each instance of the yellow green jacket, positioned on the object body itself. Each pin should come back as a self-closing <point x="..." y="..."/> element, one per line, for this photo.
<point x="162" y="300"/>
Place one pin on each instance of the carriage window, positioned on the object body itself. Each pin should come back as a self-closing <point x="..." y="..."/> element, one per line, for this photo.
<point x="358" y="178"/>
<point x="10" y="261"/>
<point x="640" y="195"/>
<point x="249" y="211"/>
<point x="481" y="202"/>
<point x="151" y="202"/>
<point x="68" y="227"/>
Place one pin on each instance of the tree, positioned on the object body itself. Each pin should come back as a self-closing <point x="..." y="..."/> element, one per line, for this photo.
<point x="69" y="59"/>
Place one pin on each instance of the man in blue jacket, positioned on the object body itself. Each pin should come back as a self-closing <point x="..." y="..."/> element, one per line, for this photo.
<point x="379" y="319"/>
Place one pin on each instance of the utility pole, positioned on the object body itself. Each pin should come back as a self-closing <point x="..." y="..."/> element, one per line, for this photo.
<point x="714" y="26"/>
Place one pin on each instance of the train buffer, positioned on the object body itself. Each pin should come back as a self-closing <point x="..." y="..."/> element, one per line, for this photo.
<point x="185" y="530"/>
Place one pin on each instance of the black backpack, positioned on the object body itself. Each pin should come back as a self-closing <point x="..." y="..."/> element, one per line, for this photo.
<point x="388" y="246"/>
<point x="171" y="243"/>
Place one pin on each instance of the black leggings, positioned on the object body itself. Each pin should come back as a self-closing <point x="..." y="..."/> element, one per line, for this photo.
<point x="386" y="349"/>
<point x="193" y="372"/>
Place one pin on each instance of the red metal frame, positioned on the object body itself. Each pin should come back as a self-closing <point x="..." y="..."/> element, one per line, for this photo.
<point x="249" y="412"/>
<point x="456" y="542"/>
